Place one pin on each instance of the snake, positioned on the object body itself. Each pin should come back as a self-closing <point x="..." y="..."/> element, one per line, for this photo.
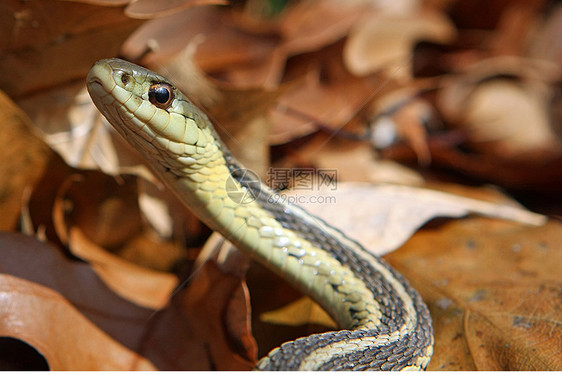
<point x="383" y="323"/>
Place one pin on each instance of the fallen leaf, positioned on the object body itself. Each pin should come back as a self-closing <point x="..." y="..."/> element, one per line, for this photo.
<point x="385" y="42"/>
<point x="224" y="44"/>
<point x="237" y="51"/>
<point x="329" y="96"/>
<point x="540" y="171"/>
<point x="70" y="124"/>
<point x="26" y="157"/>
<point x="53" y="42"/>
<point x="94" y="214"/>
<point x="298" y="313"/>
<point x="545" y="45"/>
<point x="509" y="118"/>
<point x="27" y="308"/>
<point x="105" y="209"/>
<point x="512" y="30"/>
<point x="214" y="294"/>
<point x="493" y="289"/>
<point x="326" y="152"/>
<point x="144" y="9"/>
<point x="147" y="332"/>
<point x="385" y="217"/>
<point x="519" y="119"/>
<point x="143" y="286"/>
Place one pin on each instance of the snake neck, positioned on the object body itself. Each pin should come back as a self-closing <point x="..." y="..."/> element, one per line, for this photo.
<point x="282" y="236"/>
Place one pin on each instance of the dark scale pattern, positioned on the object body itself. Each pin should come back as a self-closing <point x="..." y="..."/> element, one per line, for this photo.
<point x="393" y="356"/>
<point x="391" y="304"/>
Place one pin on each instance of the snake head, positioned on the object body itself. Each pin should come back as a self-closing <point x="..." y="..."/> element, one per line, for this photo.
<point x="158" y="116"/>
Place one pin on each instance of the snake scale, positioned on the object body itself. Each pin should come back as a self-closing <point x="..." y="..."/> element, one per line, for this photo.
<point x="385" y="325"/>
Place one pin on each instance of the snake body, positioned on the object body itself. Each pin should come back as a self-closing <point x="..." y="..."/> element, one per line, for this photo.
<point x="385" y="324"/>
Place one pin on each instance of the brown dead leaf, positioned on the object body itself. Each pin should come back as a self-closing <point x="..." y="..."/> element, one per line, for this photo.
<point x="71" y="125"/>
<point x="385" y="42"/>
<point x="300" y="312"/>
<point x="511" y="33"/>
<point x="385" y="217"/>
<point x="493" y="289"/>
<point x="146" y="9"/>
<point x="305" y="27"/>
<point x="224" y="44"/>
<point x="546" y="44"/>
<point x="270" y="297"/>
<point x="518" y="121"/>
<point x="196" y="339"/>
<point x="537" y="171"/>
<point x="93" y="214"/>
<point x="143" y="286"/>
<point x="235" y="48"/>
<point x="25" y="159"/>
<point x="505" y="117"/>
<point x="326" y="152"/>
<point x="104" y="208"/>
<point x="511" y="119"/>
<point x="207" y="299"/>
<point x="329" y="96"/>
<point x="27" y="308"/>
<point x="51" y="42"/>
<point x="102" y="2"/>
<point x="220" y="256"/>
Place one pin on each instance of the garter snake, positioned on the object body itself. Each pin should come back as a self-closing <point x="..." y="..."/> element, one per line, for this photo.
<point x="384" y="322"/>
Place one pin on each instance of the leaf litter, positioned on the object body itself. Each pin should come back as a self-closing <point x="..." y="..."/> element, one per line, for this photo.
<point x="459" y="97"/>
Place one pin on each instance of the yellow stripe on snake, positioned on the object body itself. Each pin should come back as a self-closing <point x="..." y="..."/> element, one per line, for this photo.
<point x="385" y="324"/>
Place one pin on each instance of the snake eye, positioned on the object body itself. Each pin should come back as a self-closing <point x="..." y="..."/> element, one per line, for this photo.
<point x="161" y="95"/>
<point x="125" y="78"/>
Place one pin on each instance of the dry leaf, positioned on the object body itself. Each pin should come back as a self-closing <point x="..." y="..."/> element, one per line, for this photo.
<point x="93" y="214"/>
<point x="306" y="27"/>
<point x="513" y="27"/>
<point x="52" y="42"/>
<point x="237" y="50"/>
<point x="102" y="2"/>
<point x="546" y="44"/>
<point x="327" y="152"/>
<point x="224" y="44"/>
<point x="384" y="217"/>
<point x="104" y="208"/>
<point x="71" y="125"/>
<point x="145" y="9"/>
<point x="300" y="312"/>
<point x="503" y="116"/>
<point x="493" y="289"/>
<point x="151" y="334"/>
<point x="27" y="308"/>
<point x="329" y="96"/>
<point x="25" y="159"/>
<point x="511" y="119"/>
<point x="540" y="171"/>
<point x="143" y="286"/>
<point x="209" y="296"/>
<point x="385" y="42"/>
